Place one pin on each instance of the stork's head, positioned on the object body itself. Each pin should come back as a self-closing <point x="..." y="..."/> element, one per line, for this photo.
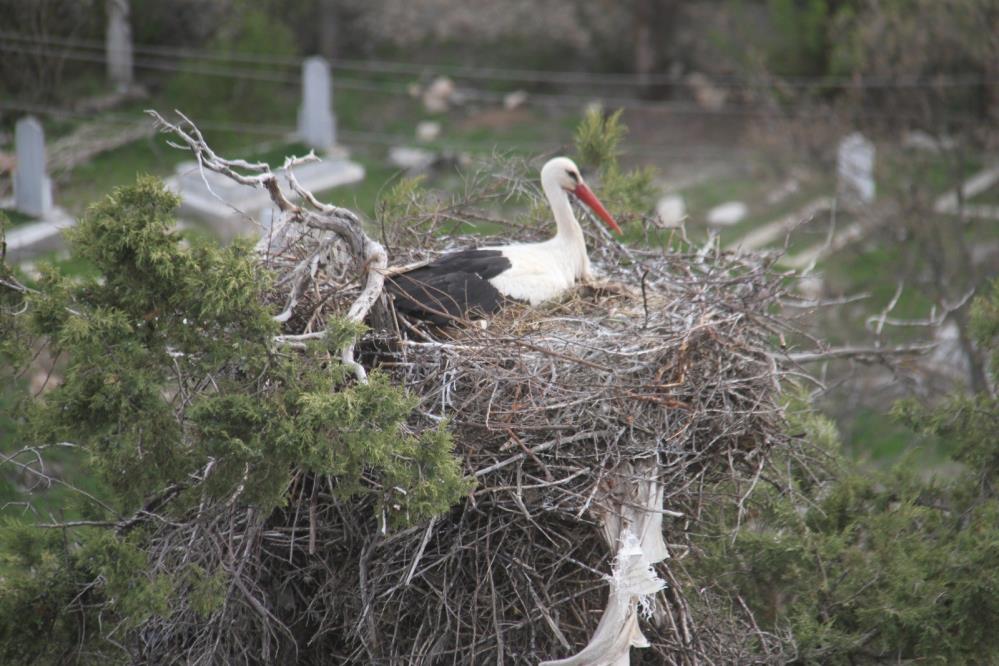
<point x="563" y="173"/>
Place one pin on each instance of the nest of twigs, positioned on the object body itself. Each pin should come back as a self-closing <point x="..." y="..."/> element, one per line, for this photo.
<point x="664" y="376"/>
<point x="667" y="366"/>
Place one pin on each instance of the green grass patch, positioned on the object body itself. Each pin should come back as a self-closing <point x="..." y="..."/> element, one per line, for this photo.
<point x="701" y="198"/>
<point x="988" y="197"/>
<point x="64" y="263"/>
<point x="92" y="181"/>
<point x="935" y="173"/>
<point x="26" y="497"/>
<point x="864" y="269"/>
<point x="762" y="214"/>
<point x="364" y="195"/>
<point x="16" y="218"/>
<point x="871" y="436"/>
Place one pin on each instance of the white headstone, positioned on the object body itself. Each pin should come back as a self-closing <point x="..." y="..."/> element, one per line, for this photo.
<point x="428" y="130"/>
<point x="438" y="95"/>
<point x="514" y="100"/>
<point x="855" y="168"/>
<point x="727" y="214"/>
<point x="118" y="44"/>
<point x="413" y="159"/>
<point x="316" y="124"/>
<point x="32" y="188"/>
<point x="671" y="210"/>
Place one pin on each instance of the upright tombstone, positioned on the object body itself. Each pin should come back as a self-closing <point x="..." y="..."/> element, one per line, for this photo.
<point x="118" y="45"/>
<point x="316" y="123"/>
<point x="32" y="187"/>
<point x="855" y="169"/>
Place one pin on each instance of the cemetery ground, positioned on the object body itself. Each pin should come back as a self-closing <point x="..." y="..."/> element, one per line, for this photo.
<point x="776" y="192"/>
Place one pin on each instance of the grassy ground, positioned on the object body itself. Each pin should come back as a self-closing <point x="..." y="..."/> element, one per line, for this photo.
<point x="15" y="218"/>
<point x="989" y="197"/>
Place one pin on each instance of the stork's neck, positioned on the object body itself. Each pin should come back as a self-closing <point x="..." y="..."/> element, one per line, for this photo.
<point x="568" y="240"/>
<point x="569" y="230"/>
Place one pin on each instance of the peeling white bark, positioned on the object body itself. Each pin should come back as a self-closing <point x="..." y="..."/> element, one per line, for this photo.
<point x="369" y="255"/>
<point x="632" y="525"/>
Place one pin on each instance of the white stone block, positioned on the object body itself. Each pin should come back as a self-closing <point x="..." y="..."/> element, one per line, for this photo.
<point x="671" y="210"/>
<point x="727" y="214"/>
<point x="855" y="168"/>
<point x="316" y="122"/>
<point x="32" y="187"/>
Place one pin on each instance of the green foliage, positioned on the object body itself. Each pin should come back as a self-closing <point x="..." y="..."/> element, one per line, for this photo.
<point x="985" y="324"/>
<point x="598" y="141"/>
<point x="38" y="581"/>
<point x="865" y="565"/>
<point x="802" y="38"/>
<point x="802" y="42"/>
<point x="206" y="592"/>
<point x="172" y="374"/>
<point x="123" y="566"/>
<point x="869" y="566"/>
<point x="598" y="138"/>
<point x="252" y="31"/>
<point x="161" y="315"/>
<point x="399" y="204"/>
<point x="13" y="342"/>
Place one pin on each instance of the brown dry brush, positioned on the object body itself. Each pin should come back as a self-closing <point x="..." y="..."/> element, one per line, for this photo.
<point x="672" y="362"/>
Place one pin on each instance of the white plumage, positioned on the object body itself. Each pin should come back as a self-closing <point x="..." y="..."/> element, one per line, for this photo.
<point x="476" y="282"/>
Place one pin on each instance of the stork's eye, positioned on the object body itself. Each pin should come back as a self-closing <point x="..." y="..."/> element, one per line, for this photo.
<point x="573" y="175"/>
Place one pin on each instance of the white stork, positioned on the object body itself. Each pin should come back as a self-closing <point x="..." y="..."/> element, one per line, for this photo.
<point x="474" y="283"/>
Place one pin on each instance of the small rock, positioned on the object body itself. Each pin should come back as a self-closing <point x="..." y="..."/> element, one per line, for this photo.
<point x="783" y="191"/>
<point x="811" y="286"/>
<point x="437" y="96"/>
<point x="30" y="270"/>
<point x="414" y="90"/>
<point x="920" y="140"/>
<point x="855" y="169"/>
<point x="671" y="210"/>
<point x="411" y="159"/>
<point x="428" y="130"/>
<point x="514" y="100"/>
<point x="948" y="357"/>
<point x="707" y="95"/>
<point x="727" y="214"/>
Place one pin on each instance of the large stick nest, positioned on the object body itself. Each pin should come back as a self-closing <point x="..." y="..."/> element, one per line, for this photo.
<point x="669" y="365"/>
<point x="669" y="360"/>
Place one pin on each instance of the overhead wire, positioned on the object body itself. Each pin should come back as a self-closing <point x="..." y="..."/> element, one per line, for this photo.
<point x="522" y="75"/>
<point x="562" y="100"/>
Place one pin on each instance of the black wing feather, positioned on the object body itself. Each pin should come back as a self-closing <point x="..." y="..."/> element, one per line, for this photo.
<point x="454" y="286"/>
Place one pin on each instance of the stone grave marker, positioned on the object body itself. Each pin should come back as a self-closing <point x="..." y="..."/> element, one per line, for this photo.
<point x="727" y="214"/>
<point x="231" y="209"/>
<point x="855" y="168"/>
<point x="316" y="123"/>
<point x="672" y="210"/>
<point x="118" y="44"/>
<point x="32" y="187"/>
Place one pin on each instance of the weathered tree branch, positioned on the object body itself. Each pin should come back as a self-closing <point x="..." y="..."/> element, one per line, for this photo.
<point x="369" y="256"/>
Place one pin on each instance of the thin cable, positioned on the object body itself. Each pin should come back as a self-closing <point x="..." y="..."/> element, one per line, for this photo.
<point x="565" y="101"/>
<point x="527" y="75"/>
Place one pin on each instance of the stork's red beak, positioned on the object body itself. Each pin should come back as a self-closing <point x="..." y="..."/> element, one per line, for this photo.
<point x="586" y="195"/>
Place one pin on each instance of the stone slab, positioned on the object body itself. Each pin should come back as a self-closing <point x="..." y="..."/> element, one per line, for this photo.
<point x="30" y="240"/>
<point x="227" y="209"/>
<point x="32" y="187"/>
<point x="727" y="214"/>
